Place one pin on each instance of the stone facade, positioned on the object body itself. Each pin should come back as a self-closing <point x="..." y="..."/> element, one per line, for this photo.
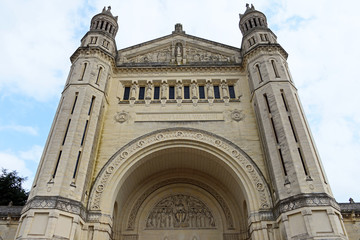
<point x="180" y="138"/>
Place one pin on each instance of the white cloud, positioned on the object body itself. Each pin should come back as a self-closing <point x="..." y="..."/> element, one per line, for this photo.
<point x="19" y="128"/>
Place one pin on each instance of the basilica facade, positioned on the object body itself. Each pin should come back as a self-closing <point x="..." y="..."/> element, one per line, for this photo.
<point x="180" y="138"/>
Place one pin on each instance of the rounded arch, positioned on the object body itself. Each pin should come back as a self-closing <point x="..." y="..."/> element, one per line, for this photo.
<point x="239" y="164"/>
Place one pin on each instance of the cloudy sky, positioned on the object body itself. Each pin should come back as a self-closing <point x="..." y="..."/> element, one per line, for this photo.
<point x="37" y="38"/>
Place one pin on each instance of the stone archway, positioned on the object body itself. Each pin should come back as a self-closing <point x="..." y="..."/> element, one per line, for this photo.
<point x="213" y="150"/>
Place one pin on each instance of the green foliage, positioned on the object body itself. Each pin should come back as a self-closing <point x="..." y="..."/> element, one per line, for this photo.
<point x="11" y="189"/>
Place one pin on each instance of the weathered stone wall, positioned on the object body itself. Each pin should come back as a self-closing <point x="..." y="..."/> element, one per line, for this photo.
<point x="351" y="217"/>
<point x="9" y="221"/>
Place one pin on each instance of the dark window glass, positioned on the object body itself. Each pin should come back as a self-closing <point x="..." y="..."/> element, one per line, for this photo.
<point x="141" y="93"/>
<point x="127" y="93"/>
<point x="217" y="92"/>
<point x="232" y="91"/>
<point x="171" y="92"/>
<point x="156" y="92"/>
<point x="201" y="92"/>
<point x="186" y="92"/>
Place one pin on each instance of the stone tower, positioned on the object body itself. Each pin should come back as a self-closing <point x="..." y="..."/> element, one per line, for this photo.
<point x="180" y="138"/>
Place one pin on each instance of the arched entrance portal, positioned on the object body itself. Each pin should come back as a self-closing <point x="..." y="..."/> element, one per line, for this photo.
<point x="179" y="184"/>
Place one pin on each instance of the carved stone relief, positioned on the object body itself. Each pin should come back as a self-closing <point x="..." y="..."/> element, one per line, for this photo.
<point x="178" y="212"/>
<point x="121" y="117"/>
<point x="177" y="52"/>
<point x="216" y="195"/>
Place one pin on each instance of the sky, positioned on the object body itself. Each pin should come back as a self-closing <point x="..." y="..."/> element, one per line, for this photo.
<point x="321" y="37"/>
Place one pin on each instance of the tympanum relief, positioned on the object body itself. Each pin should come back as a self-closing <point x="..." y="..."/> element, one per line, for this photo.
<point x="180" y="212"/>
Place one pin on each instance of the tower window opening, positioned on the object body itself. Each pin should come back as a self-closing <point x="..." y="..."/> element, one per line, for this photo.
<point x="141" y="93"/>
<point x="76" y="97"/>
<point x="102" y="24"/>
<point x="156" y="92"/>
<point x="98" y="76"/>
<point x="274" y="68"/>
<point x="57" y="164"/>
<point x="201" y="92"/>
<point x="303" y="162"/>
<point x="260" y="21"/>
<point x="254" y="19"/>
<point x="261" y="37"/>
<point x="91" y="105"/>
<point x="83" y="70"/>
<point x="293" y="129"/>
<point x="232" y="91"/>
<point x="106" y="26"/>
<point x="66" y="132"/>
<point x="186" y="92"/>
<point x="126" y="93"/>
<point x="251" y="26"/>
<point x="259" y="73"/>
<point x="97" y="24"/>
<point x="216" y="92"/>
<point x="266" y="37"/>
<point x="267" y="103"/>
<point x="84" y="133"/>
<point x="284" y="100"/>
<point x="274" y="129"/>
<point x="171" y="92"/>
<point x="282" y="162"/>
<point x="246" y="26"/>
<point x="77" y="164"/>
<point x="110" y="29"/>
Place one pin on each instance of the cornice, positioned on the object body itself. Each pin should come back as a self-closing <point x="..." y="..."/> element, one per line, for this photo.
<point x="93" y="50"/>
<point x="175" y="68"/>
<point x="269" y="48"/>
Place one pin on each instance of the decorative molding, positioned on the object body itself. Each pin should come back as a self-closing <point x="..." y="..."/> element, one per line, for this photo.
<point x="216" y="195"/>
<point x="253" y="173"/>
<point x="121" y="116"/>
<point x="237" y="115"/>
<point x="305" y="200"/>
<point x="180" y="212"/>
<point x="59" y="203"/>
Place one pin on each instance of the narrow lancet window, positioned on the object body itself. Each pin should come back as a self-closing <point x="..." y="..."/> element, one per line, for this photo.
<point x="84" y="133"/>
<point x="99" y="75"/>
<point x="57" y="164"/>
<point x="76" y="97"/>
<point x="275" y="68"/>
<point x="259" y="73"/>
<point x="83" y="71"/>
<point x="77" y="164"/>
<point x="66" y="131"/>
<point x="91" y="104"/>
<point x="171" y="92"/>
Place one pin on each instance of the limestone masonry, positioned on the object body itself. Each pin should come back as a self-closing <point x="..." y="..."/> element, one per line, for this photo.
<point x="182" y="138"/>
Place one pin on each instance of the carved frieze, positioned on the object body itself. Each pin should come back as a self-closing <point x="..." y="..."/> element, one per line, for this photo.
<point x="178" y="212"/>
<point x="176" y="54"/>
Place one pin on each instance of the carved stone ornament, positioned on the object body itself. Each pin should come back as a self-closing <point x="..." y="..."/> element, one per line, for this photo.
<point x="145" y="195"/>
<point x="235" y="153"/>
<point x="237" y="115"/>
<point x="179" y="212"/>
<point x="121" y="117"/>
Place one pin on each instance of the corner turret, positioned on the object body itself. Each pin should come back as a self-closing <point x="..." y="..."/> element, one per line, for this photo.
<point x="253" y="25"/>
<point x="103" y="29"/>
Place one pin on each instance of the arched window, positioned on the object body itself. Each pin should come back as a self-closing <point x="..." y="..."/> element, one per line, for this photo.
<point x="99" y="75"/>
